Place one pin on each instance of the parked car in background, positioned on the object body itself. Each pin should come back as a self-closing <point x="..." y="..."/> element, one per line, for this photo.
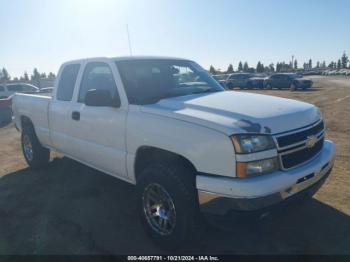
<point x="241" y="80"/>
<point x="245" y="80"/>
<point x="7" y="90"/>
<point x="221" y="79"/>
<point x="46" y="90"/>
<point x="256" y="82"/>
<point x="287" y="81"/>
<point x="312" y="72"/>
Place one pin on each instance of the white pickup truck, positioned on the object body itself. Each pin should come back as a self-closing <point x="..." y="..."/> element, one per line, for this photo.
<point x="165" y="125"/>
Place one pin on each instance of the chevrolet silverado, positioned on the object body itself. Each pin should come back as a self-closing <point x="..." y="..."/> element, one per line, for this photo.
<point x="190" y="147"/>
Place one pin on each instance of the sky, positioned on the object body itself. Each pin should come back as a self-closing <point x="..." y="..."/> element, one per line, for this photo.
<point x="46" y="33"/>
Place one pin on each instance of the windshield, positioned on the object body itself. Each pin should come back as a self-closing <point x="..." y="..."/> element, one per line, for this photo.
<point x="148" y="81"/>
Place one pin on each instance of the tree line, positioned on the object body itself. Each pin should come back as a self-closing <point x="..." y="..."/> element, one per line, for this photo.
<point x="343" y="62"/>
<point x="34" y="78"/>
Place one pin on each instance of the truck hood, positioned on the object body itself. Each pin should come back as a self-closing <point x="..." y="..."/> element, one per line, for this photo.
<point x="236" y="112"/>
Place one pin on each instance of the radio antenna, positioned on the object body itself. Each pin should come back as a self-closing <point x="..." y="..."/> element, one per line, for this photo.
<point x="127" y="32"/>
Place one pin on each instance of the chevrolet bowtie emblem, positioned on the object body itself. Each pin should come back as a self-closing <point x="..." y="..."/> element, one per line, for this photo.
<point x="311" y="141"/>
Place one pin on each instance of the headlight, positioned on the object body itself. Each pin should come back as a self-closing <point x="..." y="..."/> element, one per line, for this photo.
<point x="252" y="143"/>
<point x="256" y="168"/>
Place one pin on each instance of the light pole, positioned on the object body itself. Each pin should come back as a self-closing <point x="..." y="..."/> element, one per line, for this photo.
<point x="129" y="42"/>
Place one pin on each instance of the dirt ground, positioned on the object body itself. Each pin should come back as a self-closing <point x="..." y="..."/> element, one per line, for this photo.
<point x="68" y="208"/>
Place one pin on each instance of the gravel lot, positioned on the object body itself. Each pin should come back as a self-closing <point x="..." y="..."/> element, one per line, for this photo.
<point x="68" y="208"/>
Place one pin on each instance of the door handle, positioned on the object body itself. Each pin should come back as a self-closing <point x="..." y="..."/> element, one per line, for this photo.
<point x="76" y="115"/>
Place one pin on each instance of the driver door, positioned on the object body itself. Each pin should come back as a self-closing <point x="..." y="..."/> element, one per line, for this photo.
<point x="97" y="133"/>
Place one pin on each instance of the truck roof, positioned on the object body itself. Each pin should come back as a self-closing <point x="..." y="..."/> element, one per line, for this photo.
<point x="127" y="58"/>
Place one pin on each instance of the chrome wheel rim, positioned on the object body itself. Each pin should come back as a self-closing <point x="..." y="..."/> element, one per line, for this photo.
<point x="159" y="209"/>
<point x="28" y="148"/>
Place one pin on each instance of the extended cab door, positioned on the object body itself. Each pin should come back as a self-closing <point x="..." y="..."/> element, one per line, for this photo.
<point x="97" y="133"/>
<point x="59" y="110"/>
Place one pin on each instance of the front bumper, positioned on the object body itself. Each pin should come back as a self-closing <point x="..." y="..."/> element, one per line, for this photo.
<point x="221" y="195"/>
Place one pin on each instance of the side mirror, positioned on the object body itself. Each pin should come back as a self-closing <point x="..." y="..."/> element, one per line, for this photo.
<point x="96" y="97"/>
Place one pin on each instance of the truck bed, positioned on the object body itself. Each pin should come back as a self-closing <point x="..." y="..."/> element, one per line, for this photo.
<point x="34" y="107"/>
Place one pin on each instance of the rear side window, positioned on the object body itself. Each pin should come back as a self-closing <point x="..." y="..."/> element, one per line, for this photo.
<point x="2" y="89"/>
<point x="67" y="82"/>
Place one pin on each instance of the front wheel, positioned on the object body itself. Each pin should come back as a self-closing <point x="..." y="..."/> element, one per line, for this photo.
<point x="167" y="205"/>
<point x="34" y="153"/>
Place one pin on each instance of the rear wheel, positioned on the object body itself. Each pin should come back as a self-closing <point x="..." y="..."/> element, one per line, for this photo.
<point x="167" y="205"/>
<point x="34" y="153"/>
<point x="268" y="86"/>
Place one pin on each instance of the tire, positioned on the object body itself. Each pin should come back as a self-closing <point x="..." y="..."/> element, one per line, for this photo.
<point x="34" y="153"/>
<point x="268" y="86"/>
<point x="229" y="86"/>
<point x="168" y="191"/>
<point x="293" y="87"/>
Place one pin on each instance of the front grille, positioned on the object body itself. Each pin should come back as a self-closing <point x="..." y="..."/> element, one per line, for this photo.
<point x="297" y="137"/>
<point x="293" y="147"/>
<point x="296" y="158"/>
